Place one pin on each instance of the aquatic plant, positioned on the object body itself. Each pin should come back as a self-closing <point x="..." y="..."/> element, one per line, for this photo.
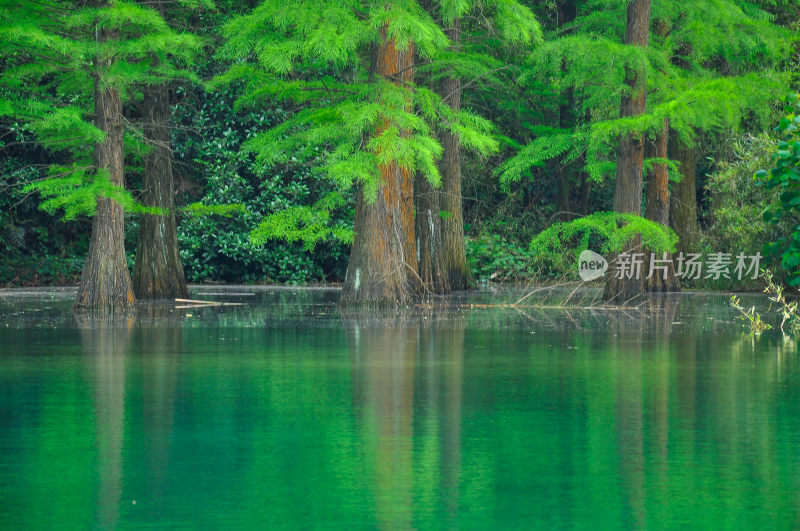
<point x="790" y="318"/>
<point x="753" y="319"/>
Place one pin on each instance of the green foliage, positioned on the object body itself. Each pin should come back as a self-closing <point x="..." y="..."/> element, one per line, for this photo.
<point x="788" y="310"/>
<point x="309" y="225"/>
<point x="227" y="210"/>
<point x="76" y="190"/>
<point x="785" y="177"/>
<point x="34" y="248"/>
<point x="731" y="35"/>
<point x="749" y="316"/>
<point x="493" y="258"/>
<point x="737" y="201"/>
<point x="317" y="54"/>
<point x="53" y="58"/>
<point x="536" y="153"/>
<point x="710" y="67"/>
<point x="230" y="184"/>
<point x="550" y="255"/>
<point x="605" y="232"/>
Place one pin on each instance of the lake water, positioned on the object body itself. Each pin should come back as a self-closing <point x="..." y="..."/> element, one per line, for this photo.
<point x="287" y="412"/>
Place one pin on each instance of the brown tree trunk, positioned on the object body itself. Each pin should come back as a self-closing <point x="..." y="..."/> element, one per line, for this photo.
<point x="383" y="260"/>
<point x="158" y="273"/>
<point x="683" y="208"/>
<point x="440" y="218"/>
<point x="430" y="243"/>
<point x="456" y="269"/>
<point x="630" y="157"/>
<point x="105" y="281"/>
<point x="567" y="11"/>
<point x="657" y="209"/>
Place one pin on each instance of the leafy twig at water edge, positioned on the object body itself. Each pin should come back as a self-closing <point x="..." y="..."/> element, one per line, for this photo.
<point x="753" y="319"/>
<point x="790" y="318"/>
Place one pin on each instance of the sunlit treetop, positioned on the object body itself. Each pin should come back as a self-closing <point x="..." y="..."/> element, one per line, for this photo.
<point x="319" y="56"/>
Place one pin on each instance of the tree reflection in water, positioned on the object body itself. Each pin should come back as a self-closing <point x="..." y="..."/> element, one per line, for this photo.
<point x="105" y="341"/>
<point x="407" y="371"/>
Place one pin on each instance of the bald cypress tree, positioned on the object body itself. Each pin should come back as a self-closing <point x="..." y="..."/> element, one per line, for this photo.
<point x="729" y="73"/>
<point x="157" y="271"/>
<point x="105" y="282"/>
<point x="71" y="66"/>
<point x="383" y="261"/>
<point x="657" y="201"/>
<point x="630" y="154"/>
<point x="707" y="82"/>
<point x="439" y="210"/>
<point x="348" y="70"/>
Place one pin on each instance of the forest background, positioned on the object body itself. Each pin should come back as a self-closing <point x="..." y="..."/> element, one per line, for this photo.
<point x="543" y="86"/>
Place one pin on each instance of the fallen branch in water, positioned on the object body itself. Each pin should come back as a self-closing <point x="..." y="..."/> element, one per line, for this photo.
<point x="198" y="304"/>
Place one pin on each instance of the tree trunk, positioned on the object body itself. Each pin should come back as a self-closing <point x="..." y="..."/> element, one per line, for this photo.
<point x="430" y="243"/>
<point x="440" y="218"/>
<point x="456" y="269"/>
<point x="383" y="260"/>
<point x="105" y="281"/>
<point x="657" y="209"/>
<point x="630" y="157"/>
<point x="431" y="252"/>
<point x="158" y="273"/>
<point x="567" y="11"/>
<point x="683" y="208"/>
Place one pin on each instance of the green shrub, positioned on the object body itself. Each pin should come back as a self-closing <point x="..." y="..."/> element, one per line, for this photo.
<point x="784" y="177"/>
<point x="216" y="172"/>
<point x="738" y="200"/>
<point x="35" y="247"/>
<point x="736" y="203"/>
<point x="494" y="258"/>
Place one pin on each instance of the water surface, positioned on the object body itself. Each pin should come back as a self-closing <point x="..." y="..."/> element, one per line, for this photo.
<point x="287" y="412"/>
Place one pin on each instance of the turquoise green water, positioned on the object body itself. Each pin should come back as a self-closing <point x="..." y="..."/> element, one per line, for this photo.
<point x="287" y="413"/>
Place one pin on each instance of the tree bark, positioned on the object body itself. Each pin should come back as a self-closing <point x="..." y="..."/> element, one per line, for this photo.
<point x="630" y="157"/>
<point x="105" y="282"/>
<point x="683" y="208"/>
<point x="456" y="268"/>
<point x="440" y="218"/>
<point x="383" y="260"/>
<point x="430" y="241"/>
<point x="567" y="11"/>
<point x="657" y="209"/>
<point x="565" y="121"/>
<point x="158" y="273"/>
